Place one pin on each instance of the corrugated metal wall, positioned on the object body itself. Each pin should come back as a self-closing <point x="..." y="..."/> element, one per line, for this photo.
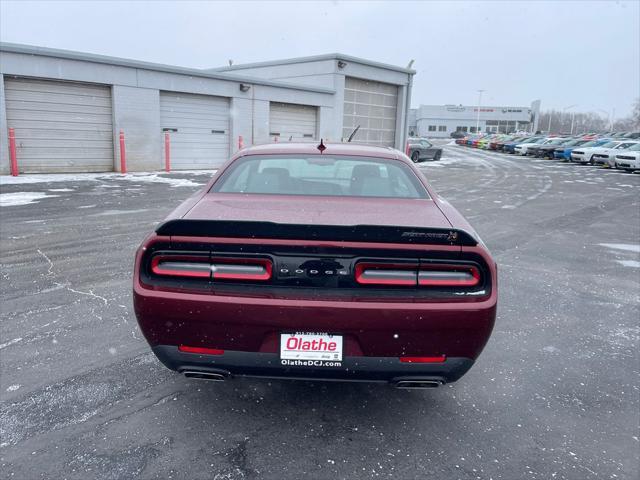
<point x="60" y="126"/>
<point x="199" y="129"/>
<point x="292" y="122"/>
<point x="372" y="105"/>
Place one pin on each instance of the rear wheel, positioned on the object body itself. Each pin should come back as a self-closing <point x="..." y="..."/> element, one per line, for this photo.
<point x="437" y="155"/>
<point x="415" y="156"/>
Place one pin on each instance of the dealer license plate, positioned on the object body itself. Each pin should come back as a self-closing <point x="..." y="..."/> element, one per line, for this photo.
<point x="310" y="346"/>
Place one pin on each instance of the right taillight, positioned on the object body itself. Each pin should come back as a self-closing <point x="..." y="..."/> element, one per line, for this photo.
<point x="371" y="273"/>
<point x="420" y="275"/>
<point x="448" y="275"/>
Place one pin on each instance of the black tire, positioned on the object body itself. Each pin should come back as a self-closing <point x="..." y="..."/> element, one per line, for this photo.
<point x="437" y="155"/>
<point x="415" y="157"/>
<point x="591" y="162"/>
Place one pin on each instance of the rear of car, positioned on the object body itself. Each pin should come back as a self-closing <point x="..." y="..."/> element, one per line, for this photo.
<point x="335" y="266"/>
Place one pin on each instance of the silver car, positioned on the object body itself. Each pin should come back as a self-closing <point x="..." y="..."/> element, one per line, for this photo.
<point x="421" y="149"/>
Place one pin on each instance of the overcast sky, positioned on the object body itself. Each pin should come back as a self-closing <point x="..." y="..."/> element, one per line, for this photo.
<point x="564" y="53"/>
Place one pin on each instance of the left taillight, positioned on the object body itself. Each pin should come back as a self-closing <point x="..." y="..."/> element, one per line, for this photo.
<point x="217" y="268"/>
<point x="181" y="266"/>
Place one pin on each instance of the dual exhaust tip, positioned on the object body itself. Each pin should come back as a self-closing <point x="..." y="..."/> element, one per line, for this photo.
<point x="416" y="384"/>
<point x="201" y="375"/>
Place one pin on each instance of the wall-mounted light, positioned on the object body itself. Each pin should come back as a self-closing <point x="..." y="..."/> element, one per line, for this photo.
<point x="244" y="87"/>
<point x="341" y="64"/>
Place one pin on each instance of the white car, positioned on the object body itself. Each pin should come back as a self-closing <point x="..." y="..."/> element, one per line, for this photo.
<point x="600" y="154"/>
<point x="608" y="157"/>
<point x="522" y="148"/>
<point x="629" y="159"/>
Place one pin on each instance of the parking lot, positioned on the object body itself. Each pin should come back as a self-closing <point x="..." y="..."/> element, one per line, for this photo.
<point x="554" y="395"/>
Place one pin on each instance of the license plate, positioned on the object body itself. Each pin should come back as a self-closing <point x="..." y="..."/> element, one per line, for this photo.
<point x="311" y="349"/>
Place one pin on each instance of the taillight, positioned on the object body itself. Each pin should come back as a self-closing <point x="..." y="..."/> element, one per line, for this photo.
<point x="422" y="275"/>
<point x="217" y="268"/>
<point x="386" y="273"/>
<point x="448" y="276"/>
<point x="181" y="266"/>
<point x="241" y="268"/>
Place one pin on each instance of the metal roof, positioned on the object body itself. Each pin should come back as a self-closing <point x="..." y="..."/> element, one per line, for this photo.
<point x="125" y="62"/>
<point x="315" y="58"/>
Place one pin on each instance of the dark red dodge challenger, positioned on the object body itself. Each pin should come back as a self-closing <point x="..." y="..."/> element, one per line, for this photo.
<point x="329" y="262"/>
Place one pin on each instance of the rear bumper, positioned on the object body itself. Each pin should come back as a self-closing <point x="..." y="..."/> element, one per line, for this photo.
<point x="354" y="369"/>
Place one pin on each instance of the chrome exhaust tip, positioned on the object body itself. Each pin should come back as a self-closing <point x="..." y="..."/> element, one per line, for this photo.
<point x="215" y="377"/>
<point x="418" y="384"/>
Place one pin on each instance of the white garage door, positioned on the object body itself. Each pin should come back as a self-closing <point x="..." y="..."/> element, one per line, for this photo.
<point x="199" y="129"/>
<point x="372" y="105"/>
<point x="292" y="122"/>
<point x="60" y="126"/>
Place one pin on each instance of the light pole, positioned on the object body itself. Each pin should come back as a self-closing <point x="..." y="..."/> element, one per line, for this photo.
<point x="608" y="114"/>
<point x="478" y="113"/>
<point x="562" y="118"/>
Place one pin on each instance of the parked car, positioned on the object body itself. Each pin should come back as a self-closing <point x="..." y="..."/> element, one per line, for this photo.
<point x="629" y="159"/>
<point x="564" y="152"/>
<point x="421" y="149"/>
<point x="546" y="149"/>
<point x="608" y="158"/>
<point x="330" y="262"/>
<point x="458" y="134"/>
<point x="523" y="148"/>
<point x="632" y="135"/>
<point x="588" y="155"/>
<point x="511" y="146"/>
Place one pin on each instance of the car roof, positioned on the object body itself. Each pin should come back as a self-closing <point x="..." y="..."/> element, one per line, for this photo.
<point x="308" y="148"/>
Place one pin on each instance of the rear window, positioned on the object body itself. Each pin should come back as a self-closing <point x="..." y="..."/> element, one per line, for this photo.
<point x="330" y="175"/>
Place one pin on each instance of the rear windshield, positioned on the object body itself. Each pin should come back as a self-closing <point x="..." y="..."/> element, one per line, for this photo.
<point x="331" y="175"/>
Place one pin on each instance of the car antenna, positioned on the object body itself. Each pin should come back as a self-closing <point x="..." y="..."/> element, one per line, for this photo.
<point x="353" y="134"/>
<point x="321" y="147"/>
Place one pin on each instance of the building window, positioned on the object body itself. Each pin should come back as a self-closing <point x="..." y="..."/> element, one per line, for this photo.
<point x="461" y="129"/>
<point x="432" y="128"/>
<point x="472" y="129"/>
<point x="442" y="128"/>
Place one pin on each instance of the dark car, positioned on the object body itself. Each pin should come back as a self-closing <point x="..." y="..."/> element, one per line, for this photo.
<point x="334" y="262"/>
<point x="422" y="149"/>
<point x="542" y="149"/>
<point x="458" y="134"/>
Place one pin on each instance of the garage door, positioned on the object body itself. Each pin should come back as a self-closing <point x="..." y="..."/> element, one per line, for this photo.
<point x="292" y="122"/>
<point x="372" y="105"/>
<point x="199" y="129"/>
<point x="60" y="126"/>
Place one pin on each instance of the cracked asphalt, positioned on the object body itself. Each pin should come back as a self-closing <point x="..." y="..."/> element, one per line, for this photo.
<point x="555" y="394"/>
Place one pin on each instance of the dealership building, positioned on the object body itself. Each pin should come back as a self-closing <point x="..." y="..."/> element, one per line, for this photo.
<point x="439" y="121"/>
<point x="66" y="109"/>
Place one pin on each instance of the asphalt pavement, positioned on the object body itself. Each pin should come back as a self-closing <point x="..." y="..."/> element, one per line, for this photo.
<point x="555" y="394"/>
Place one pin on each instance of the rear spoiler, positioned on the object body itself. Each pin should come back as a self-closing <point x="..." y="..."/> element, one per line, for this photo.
<point x="356" y="233"/>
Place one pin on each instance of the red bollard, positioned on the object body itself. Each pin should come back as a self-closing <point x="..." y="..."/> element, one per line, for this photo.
<point x="12" y="152"/>
<point x="167" y="152"/>
<point x="240" y="142"/>
<point x="406" y="149"/>
<point x="123" y="154"/>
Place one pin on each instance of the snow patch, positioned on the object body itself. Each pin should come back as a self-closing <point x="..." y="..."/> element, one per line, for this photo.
<point x="13" y="388"/>
<point x="627" y="247"/>
<point x="21" y="198"/>
<point x="629" y="263"/>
